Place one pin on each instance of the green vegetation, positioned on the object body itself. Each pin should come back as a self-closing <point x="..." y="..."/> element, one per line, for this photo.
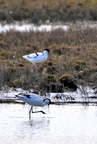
<point x="38" y="11"/>
<point x="75" y="62"/>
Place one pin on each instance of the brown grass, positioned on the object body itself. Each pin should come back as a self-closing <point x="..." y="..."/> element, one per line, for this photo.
<point x="76" y="54"/>
<point x="42" y="10"/>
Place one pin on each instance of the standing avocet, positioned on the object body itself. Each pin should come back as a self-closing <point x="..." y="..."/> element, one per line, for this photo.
<point x="34" y="100"/>
<point x="37" y="57"/>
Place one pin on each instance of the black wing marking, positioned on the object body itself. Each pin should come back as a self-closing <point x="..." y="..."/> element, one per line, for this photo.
<point x="27" y="95"/>
<point x="35" y="56"/>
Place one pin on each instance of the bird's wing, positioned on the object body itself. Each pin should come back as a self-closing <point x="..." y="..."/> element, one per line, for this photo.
<point x="36" y="100"/>
<point x="35" y="96"/>
<point x="32" y="99"/>
<point x="33" y="55"/>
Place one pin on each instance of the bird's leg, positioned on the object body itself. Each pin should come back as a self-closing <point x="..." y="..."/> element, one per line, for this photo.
<point x="30" y="113"/>
<point x="38" y="111"/>
<point x="31" y="110"/>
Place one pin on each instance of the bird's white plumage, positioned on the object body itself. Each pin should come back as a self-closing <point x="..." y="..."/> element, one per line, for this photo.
<point x="33" y="100"/>
<point x="37" y="57"/>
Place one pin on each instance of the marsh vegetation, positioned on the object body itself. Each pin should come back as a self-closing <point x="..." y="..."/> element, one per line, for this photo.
<point x="75" y="62"/>
<point x="40" y="10"/>
<point x="75" y="49"/>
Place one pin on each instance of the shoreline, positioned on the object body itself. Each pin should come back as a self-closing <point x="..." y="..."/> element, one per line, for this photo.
<point x="24" y="26"/>
<point x="78" y="97"/>
<point x="13" y="101"/>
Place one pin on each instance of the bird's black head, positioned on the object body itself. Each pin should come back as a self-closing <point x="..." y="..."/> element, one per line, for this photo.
<point x="48" y="100"/>
<point x="47" y="50"/>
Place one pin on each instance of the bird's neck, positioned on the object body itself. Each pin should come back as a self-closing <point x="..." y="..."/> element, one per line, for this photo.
<point x="44" y="103"/>
<point x="45" y="54"/>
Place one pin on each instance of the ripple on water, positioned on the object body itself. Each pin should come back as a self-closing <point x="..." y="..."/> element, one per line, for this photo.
<point x="68" y="124"/>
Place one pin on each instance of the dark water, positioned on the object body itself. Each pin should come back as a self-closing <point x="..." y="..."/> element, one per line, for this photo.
<point x="63" y="124"/>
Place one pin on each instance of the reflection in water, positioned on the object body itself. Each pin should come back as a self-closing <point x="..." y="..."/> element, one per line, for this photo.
<point x="70" y="124"/>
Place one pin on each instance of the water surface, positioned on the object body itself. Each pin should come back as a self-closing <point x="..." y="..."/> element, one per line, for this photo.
<point x="63" y="124"/>
<point x="26" y="27"/>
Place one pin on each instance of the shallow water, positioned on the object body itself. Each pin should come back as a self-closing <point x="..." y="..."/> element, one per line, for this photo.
<point x="63" y="124"/>
<point x="26" y="27"/>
